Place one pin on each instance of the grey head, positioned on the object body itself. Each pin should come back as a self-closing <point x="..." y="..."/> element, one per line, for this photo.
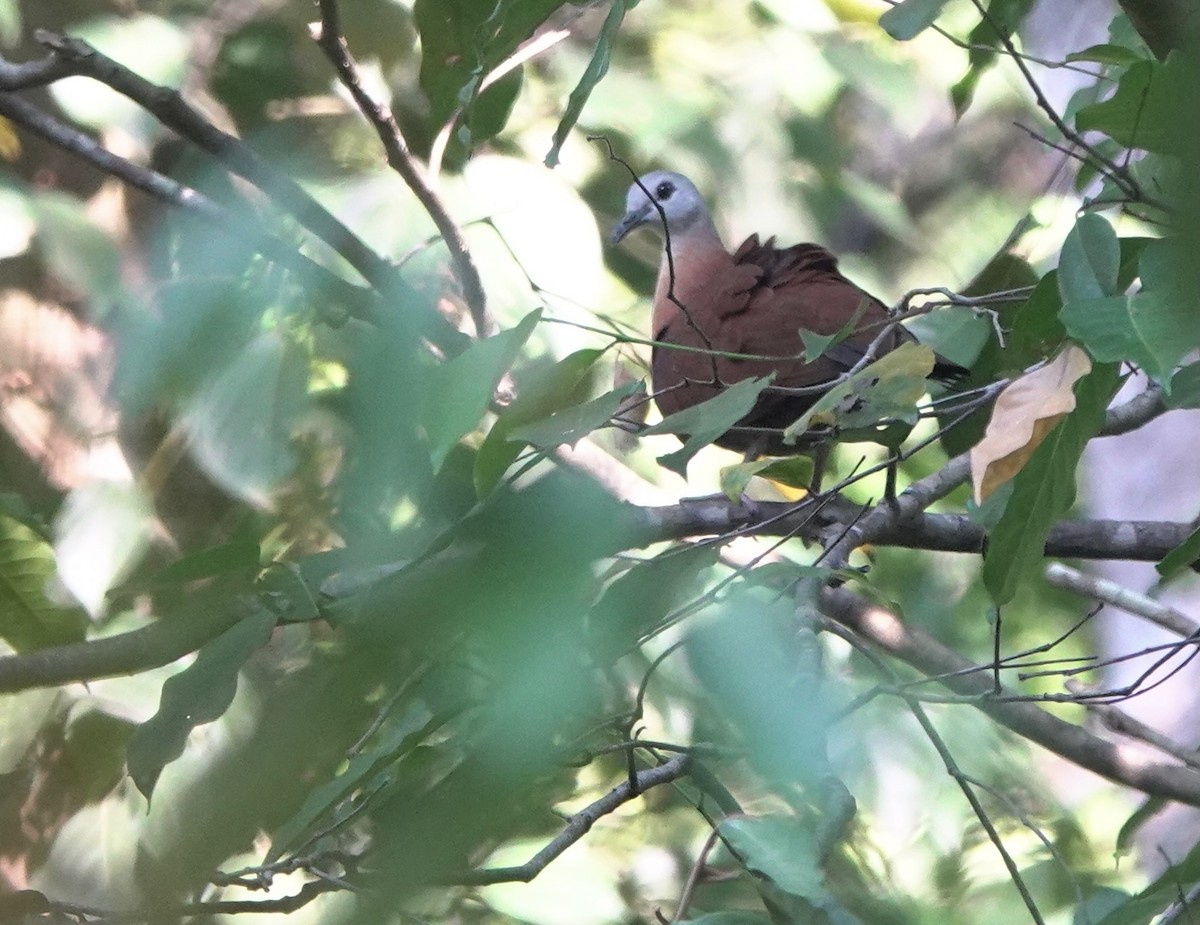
<point x="674" y="193"/>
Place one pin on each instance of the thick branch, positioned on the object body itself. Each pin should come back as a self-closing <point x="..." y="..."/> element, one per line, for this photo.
<point x="1028" y="720"/>
<point x="330" y="39"/>
<point x="1134" y="540"/>
<point x="158" y="644"/>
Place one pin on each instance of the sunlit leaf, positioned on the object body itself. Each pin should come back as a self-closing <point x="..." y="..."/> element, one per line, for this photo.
<point x="100" y="533"/>
<point x="199" y="694"/>
<point x="28" y="619"/>
<point x="887" y="389"/>
<point x="794" y="472"/>
<point x="1024" y="414"/>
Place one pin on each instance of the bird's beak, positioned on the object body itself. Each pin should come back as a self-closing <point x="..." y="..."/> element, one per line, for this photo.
<point x="631" y="220"/>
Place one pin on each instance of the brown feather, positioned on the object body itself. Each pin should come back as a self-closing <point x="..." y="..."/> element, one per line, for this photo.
<point x="755" y="302"/>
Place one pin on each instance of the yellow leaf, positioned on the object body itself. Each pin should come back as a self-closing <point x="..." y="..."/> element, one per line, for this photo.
<point x="10" y="142"/>
<point x="1026" y="411"/>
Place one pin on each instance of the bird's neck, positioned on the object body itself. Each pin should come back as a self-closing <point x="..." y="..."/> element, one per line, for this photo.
<point x="696" y="254"/>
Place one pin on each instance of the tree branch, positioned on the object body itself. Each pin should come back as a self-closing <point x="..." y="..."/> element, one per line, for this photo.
<point x="328" y="36"/>
<point x="580" y="823"/>
<point x="1133" y="540"/>
<point x="158" y="644"/>
<point x="911" y="645"/>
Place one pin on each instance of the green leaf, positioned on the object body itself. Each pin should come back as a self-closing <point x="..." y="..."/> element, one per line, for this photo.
<point x="792" y="471"/>
<point x="1107" y="54"/>
<point x="1147" y="905"/>
<point x="100" y="533"/>
<point x="885" y="390"/>
<point x="241" y="421"/>
<point x="592" y="75"/>
<point x="1145" y="111"/>
<point x="1155" y="327"/>
<point x="10" y="23"/>
<point x="734" y="917"/>
<point x="540" y="393"/>
<point x="1090" y="260"/>
<point x="462" y="388"/>
<point x="983" y="42"/>
<point x="1181" y="557"/>
<point x="461" y="42"/>
<point x="199" y="694"/>
<point x="781" y="850"/>
<point x="635" y="605"/>
<point x="1147" y="328"/>
<point x="573" y="424"/>
<point x="816" y="344"/>
<point x="237" y="557"/>
<point x="28" y="620"/>
<point x="701" y="424"/>
<point x="394" y="743"/>
<point x="910" y="18"/>
<point x="1044" y="490"/>
<point x="1185" y="388"/>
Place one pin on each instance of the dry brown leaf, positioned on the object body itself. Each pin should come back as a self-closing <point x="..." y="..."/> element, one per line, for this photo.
<point x="1026" y="411"/>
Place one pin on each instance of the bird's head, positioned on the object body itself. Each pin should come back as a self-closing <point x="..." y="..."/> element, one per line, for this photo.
<point x="674" y="193"/>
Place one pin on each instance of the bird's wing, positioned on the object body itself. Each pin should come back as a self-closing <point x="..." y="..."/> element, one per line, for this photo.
<point x="798" y="288"/>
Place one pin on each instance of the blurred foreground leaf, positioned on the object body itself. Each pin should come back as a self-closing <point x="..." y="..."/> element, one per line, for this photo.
<point x="240" y="422"/>
<point x="199" y="694"/>
<point x="462" y="388"/>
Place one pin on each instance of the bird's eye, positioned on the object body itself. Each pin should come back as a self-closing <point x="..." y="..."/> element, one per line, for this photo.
<point x="663" y="191"/>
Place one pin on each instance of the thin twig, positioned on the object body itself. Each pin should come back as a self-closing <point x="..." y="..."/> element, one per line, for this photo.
<point x="328" y="35"/>
<point x="1102" y="589"/>
<point x="580" y="823"/>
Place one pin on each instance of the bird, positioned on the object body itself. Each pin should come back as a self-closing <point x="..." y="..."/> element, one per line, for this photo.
<point x="753" y="301"/>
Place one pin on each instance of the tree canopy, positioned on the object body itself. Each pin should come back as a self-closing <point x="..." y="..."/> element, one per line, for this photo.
<point x="348" y="571"/>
